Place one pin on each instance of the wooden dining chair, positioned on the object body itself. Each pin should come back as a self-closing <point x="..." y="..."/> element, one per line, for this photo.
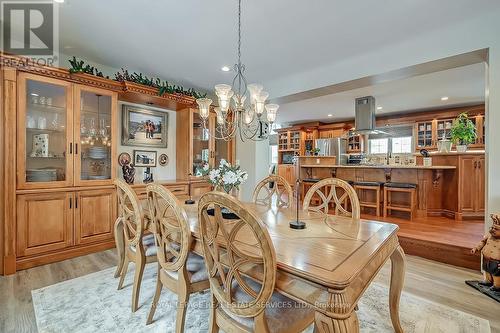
<point x="179" y="270"/>
<point x="238" y="253"/>
<point x="137" y="247"/>
<point x="336" y="192"/>
<point x="273" y="189"/>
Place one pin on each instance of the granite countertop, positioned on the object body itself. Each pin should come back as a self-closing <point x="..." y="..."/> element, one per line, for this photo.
<point x="434" y="167"/>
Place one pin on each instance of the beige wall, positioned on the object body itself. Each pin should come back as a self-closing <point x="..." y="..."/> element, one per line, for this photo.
<point x="160" y="172"/>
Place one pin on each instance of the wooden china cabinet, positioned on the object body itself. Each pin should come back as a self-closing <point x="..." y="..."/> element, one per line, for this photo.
<point x="66" y="163"/>
<point x="196" y="147"/>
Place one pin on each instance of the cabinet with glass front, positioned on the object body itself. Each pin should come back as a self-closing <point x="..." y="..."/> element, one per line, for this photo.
<point x="196" y="148"/>
<point x="52" y="150"/>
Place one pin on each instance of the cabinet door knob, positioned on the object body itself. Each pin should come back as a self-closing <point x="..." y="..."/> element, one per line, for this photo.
<point x="70" y="203"/>
<point x="479" y="164"/>
<point x="475" y="164"/>
<point x="71" y="147"/>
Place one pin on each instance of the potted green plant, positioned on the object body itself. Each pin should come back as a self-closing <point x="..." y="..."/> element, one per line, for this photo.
<point x="463" y="132"/>
<point x="316" y="151"/>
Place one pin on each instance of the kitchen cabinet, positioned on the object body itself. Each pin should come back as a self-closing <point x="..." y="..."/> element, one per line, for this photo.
<point x="289" y="140"/>
<point x="331" y="133"/>
<point x="196" y="147"/>
<point x="424" y="135"/>
<point x="287" y="171"/>
<point x="95" y="214"/>
<point x="44" y="222"/>
<point x="471" y="185"/>
<point x="427" y="133"/>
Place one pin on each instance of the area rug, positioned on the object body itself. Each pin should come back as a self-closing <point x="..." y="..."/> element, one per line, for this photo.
<point x="484" y="289"/>
<point x="92" y="304"/>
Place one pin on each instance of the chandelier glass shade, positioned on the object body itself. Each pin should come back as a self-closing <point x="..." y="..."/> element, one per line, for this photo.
<point x="234" y="116"/>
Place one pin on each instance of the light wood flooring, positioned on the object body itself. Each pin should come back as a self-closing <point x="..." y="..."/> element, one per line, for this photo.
<point x="431" y="280"/>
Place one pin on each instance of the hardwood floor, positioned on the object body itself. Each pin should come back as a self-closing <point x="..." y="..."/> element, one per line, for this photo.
<point x="439" y="238"/>
<point x="427" y="279"/>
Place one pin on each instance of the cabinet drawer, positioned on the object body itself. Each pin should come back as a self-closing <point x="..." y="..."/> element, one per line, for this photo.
<point x="177" y="189"/>
<point x="44" y="222"/>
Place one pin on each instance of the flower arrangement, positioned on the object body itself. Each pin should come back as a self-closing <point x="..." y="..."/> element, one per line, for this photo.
<point x="227" y="177"/>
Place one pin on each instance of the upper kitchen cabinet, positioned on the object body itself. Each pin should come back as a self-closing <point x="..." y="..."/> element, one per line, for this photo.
<point x="196" y="147"/>
<point x="66" y="134"/>
<point x="95" y="135"/>
<point x="45" y="132"/>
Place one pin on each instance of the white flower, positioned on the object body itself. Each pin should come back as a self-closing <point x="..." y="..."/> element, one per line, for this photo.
<point x="230" y="178"/>
<point x="214" y="176"/>
<point x="223" y="162"/>
<point x="205" y="167"/>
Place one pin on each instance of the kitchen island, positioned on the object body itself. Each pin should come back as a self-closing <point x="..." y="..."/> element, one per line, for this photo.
<point x="451" y="187"/>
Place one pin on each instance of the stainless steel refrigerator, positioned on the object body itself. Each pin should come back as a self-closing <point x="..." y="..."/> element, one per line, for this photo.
<point x="333" y="147"/>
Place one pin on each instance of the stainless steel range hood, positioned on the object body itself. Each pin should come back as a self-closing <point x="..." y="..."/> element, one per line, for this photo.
<point x="365" y="116"/>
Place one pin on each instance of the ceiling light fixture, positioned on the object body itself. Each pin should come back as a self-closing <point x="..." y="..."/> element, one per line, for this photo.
<point x="225" y="69"/>
<point x="59" y="1"/>
<point x="233" y="117"/>
<point x="444" y="98"/>
<point x="379" y="108"/>
<point x="330" y="115"/>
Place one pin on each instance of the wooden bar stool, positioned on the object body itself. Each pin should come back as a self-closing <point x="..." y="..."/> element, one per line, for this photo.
<point x="361" y="187"/>
<point x="409" y="188"/>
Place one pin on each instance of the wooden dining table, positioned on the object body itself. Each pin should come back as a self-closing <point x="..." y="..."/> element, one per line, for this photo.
<point x="329" y="264"/>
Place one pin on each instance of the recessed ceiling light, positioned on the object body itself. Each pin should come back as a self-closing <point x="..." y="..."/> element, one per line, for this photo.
<point x="444" y="98"/>
<point x="33" y="94"/>
<point x="225" y="69"/>
<point x="379" y="108"/>
<point x="330" y="115"/>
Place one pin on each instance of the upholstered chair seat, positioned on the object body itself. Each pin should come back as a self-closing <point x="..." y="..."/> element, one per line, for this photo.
<point x="280" y="319"/>
<point x="195" y="266"/>
<point x="148" y="242"/>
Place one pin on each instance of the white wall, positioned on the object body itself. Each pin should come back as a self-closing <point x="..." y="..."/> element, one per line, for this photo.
<point x="160" y="172"/>
<point x="254" y="158"/>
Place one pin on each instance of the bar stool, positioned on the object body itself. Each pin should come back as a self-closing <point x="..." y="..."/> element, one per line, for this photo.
<point x="369" y="186"/>
<point x="409" y="188"/>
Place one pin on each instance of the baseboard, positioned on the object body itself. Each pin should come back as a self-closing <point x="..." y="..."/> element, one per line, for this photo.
<point x="47" y="258"/>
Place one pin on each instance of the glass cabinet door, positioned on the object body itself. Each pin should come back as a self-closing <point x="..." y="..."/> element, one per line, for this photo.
<point x="95" y="127"/>
<point x="201" y="145"/>
<point x="44" y="132"/>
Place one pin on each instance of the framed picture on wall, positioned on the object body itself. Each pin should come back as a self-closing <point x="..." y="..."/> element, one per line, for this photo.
<point x="144" y="158"/>
<point x="144" y="127"/>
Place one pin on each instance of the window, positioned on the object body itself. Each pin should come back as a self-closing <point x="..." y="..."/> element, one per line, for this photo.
<point x="401" y="145"/>
<point x="273" y="151"/>
<point x="379" y="146"/>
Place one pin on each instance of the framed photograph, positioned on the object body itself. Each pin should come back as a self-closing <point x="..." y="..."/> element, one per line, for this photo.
<point x="144" y="158"/>
<point x="144" y="127"/>
<point x="163" y="159"/>
<point x="124" y="159"/>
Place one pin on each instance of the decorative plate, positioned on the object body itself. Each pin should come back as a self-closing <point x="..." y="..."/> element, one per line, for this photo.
<point x="163" y="159"/>
<point x="124" y="159"/>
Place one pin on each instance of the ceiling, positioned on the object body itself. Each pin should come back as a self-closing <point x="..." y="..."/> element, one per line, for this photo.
<point x="188" y="41"/>
<point x="462" y="85"/>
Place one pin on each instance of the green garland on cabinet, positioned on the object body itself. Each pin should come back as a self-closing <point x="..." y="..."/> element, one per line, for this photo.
<point x="78" y="66"/>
